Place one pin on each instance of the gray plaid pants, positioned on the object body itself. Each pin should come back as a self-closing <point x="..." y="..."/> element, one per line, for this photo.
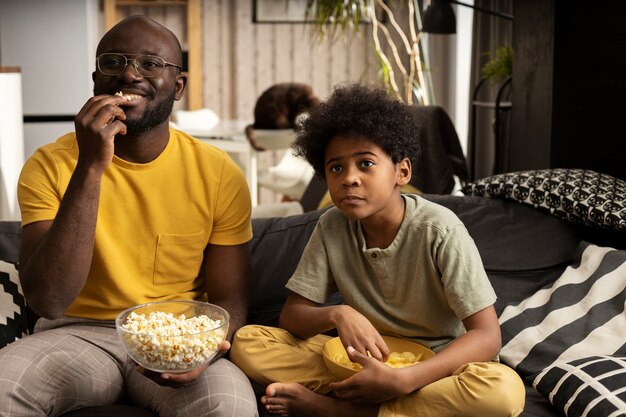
<point x="74" y="363"/>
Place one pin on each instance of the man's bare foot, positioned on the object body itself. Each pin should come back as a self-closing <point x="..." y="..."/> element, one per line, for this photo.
<point x="294" y="400"/>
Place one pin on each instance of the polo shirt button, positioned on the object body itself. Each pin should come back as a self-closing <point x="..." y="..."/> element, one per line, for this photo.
<point x="374" y="255"/>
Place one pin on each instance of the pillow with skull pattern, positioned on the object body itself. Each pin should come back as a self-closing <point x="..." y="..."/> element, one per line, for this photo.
<point x="576" y="195"/>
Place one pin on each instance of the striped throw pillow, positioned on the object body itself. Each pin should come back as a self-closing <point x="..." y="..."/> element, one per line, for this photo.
<point x="13" y="320"/>
<point x="580" y="315"/>
<point x="587" y="387"/>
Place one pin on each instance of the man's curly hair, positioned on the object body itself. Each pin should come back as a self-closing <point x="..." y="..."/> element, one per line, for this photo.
<point x="358" y="111"/>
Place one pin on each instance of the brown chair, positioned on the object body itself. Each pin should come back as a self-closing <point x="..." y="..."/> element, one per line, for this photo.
<point x="440" y="156"/>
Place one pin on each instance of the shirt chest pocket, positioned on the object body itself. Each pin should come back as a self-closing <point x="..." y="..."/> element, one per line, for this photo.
<point x="178" y="258"/>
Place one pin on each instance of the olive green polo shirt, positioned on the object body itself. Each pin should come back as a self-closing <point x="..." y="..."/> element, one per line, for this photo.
<point x="420" y="287"/>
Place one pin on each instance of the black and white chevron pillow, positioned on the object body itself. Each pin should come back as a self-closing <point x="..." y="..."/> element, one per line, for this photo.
<point x="580" y="315"/>
<point x="586" y="387"/>
<point x="13" y="319"/>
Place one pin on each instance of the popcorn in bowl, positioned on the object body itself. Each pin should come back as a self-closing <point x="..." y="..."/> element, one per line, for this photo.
<point x="172" y="336"/>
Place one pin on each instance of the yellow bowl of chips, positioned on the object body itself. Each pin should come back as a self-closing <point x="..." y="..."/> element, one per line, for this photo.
<point x="403" y="353"/>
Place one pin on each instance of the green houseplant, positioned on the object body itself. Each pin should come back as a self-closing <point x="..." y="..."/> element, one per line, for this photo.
<point x="500" y="67"/>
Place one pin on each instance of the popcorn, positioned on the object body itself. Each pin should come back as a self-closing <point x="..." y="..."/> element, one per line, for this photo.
<point x="119" y="93"/>
<point x="127" y="97"/>
<point x="164" y="342"/>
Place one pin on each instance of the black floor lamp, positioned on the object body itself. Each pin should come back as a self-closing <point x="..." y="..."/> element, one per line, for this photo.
<point x="439" y="16"/>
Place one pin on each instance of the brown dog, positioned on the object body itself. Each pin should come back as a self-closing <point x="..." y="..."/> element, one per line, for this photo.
<point x="278" y="106"/>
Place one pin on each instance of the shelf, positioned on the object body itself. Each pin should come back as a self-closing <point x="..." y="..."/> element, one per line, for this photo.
<point x="492" y="104"/>
<point x="194" y="39"/>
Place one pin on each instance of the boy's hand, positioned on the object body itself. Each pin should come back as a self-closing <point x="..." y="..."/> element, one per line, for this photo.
<point x="376" y="383"/>
<point x="356" y="330"/>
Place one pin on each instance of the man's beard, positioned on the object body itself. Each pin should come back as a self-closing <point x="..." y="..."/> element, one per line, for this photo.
<point x="152" y="118"/>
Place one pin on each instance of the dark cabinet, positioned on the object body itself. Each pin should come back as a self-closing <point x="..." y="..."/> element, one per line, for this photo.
<point x="569" y="90"/>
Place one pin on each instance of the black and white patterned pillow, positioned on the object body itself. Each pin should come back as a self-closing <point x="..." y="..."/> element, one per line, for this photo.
<point x="579" y="315"/>
<point x="576" y="195"/>
<point x="585" y="387"/>
<point x="13" y="316"/>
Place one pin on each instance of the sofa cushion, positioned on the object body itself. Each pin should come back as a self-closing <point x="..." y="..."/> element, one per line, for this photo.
<point x="510" y="236"/>
<point x="581" y="314"/>
<point x="10" y="241"/>
<point x="276" y="247"/>
<point x="590" y="386"/>
<point x="522" y="248"/>
<point x="13" y="315"/>
<point x="576" y="195"/>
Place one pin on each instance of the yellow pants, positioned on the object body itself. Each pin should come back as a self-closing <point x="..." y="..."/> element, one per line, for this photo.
<point x="268" y="354"/>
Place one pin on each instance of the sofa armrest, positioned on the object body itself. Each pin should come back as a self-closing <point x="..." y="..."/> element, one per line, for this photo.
<point x="10" y="232"/>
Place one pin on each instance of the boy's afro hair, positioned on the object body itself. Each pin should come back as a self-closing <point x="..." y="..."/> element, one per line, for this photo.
<point x="358" y="111"/>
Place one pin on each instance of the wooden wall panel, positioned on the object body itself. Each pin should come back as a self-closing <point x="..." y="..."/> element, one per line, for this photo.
<point x="283" y="54"/>
<point x="301" y="62"/>
<point x="261" y="74"/>
<point x="229" y="86"/>
<point x="212" y="61"/>
<point x="365" y="63"/>
<point x="337" y="67"/>
<point x="244" y="60"/>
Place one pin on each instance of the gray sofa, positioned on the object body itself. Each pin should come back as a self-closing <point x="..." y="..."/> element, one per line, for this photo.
<point x="523" y="250"/>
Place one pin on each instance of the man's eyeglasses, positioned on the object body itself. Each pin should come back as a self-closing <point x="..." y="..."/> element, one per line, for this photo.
<point x="148" y="66"/>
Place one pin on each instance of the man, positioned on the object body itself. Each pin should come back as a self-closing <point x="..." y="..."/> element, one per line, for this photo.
<point x="122" y="212"/>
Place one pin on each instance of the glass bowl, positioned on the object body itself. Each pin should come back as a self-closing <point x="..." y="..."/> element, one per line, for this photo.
<point x="403" y="353"/>
<point x="172" y="336"/>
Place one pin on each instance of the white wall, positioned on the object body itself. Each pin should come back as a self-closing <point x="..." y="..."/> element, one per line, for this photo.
<point x="53" y="42"/>
<point x="463" y="91"/>
<point x="11" y="142"/>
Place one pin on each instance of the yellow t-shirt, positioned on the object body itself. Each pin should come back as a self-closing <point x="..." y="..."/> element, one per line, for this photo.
<point x="154" y="219"/>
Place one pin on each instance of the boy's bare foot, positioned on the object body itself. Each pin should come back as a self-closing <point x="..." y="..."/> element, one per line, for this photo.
<point x="294" y="400"/>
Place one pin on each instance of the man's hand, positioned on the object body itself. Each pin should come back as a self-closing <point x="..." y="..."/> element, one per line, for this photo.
<point x="96" y="124"/>
<point x="176" y="380"/>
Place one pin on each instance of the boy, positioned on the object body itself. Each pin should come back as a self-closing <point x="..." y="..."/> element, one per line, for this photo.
<point x="405" y="267"/>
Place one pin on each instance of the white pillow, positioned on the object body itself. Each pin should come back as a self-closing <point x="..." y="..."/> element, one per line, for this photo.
<point x="201" y="119"/>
